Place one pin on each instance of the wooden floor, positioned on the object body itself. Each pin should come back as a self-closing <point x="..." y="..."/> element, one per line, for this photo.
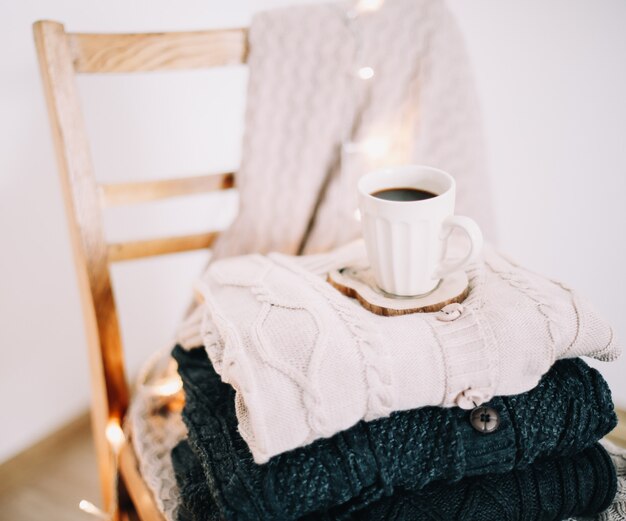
<point x="48" y="480"/>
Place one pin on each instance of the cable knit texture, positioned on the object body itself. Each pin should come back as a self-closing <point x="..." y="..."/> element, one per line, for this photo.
<point x="153" y="428"/>
<point x="304" y="100"/>
<point x="569" y="410"/>
<point x="549" y="490"/>
<point x="617" y="510"/>
<point x="307" y="362"/>
<point x="582" y="485"/>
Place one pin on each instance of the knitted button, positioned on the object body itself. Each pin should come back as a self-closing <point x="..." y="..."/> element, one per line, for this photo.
<point x="450" y="312"/>
<point x="485" y="419"/>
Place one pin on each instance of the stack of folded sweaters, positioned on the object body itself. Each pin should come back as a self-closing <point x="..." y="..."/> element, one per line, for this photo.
<point x="300" y="404"/>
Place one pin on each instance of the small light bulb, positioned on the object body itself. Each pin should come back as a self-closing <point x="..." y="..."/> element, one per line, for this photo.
<point x="89" y="508"/>
<point x="363" y="6"/>
<point x="365" y="73"/>
<point x="167" y="386"/>
<point x="375" y="147"/>
<point x="115" y="435"/>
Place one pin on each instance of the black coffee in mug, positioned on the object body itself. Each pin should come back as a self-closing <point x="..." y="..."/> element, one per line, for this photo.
<point x="403" y="194"/>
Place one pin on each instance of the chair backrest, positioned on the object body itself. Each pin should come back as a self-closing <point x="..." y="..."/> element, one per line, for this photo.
<point x="62" y="55"/>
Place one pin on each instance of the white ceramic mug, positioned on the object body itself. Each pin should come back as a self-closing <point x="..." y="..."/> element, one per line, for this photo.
<point x="406" y="240"/>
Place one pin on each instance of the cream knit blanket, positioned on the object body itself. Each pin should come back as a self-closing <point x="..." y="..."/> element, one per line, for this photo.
<point x="304" y="100"/>
<point x="307" y="362"/>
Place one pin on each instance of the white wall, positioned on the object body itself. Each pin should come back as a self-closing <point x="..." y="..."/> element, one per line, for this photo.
<point x="551" y="78"/>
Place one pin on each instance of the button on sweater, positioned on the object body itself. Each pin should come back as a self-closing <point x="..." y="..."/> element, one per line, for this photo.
<point x="567" y="412"/>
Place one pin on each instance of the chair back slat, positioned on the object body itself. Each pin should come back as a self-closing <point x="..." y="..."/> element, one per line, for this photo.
<point x="141" y="192"/>
<point x="157" y="51"/>
<point x="61" y="56"/>
<point x="152" y="247"/>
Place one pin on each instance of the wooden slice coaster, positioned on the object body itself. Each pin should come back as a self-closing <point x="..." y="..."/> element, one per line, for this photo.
<point x="359" y="283"/>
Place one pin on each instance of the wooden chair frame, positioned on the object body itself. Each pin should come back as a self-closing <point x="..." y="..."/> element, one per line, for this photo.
<point x="62" y="55"/>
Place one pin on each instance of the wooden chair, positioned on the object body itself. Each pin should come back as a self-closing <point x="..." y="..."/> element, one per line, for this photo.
<point x="61" y="55"/>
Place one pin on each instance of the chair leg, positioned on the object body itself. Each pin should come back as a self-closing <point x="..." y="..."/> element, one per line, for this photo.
<point x="125" y="505"/>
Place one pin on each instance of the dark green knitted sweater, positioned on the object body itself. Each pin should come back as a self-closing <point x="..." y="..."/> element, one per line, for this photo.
<point x="568" y="411"/>
<point x="579" y="485"/>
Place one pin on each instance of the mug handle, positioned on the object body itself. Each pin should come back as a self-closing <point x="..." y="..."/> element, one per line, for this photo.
<point x="472" y="232"/>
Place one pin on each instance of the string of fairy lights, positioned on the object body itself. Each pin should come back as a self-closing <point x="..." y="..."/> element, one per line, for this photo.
<point x="164" y="389"/>
<point x="167" y="388"/>
<point x="373" y="146"/>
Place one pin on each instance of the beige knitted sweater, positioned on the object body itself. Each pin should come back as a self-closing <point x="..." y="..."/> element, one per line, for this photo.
<point x="303" y="100"/>
<point x="307" y="362"/>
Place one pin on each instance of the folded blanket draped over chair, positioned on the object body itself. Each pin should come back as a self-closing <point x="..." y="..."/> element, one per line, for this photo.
<point x="568" y="411"/>
<point x="304" y="99"/>
<point x="307" y="362"/>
